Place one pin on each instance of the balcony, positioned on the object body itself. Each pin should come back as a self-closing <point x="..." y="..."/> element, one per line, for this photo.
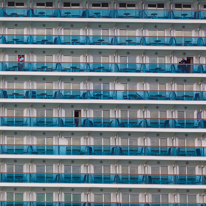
<point x="102" y="67"/>
<point x="101" y="122"/>
<point x="102" y="13"/>
<point x="102" y="94"/>
<point x="53" y="203"/>
<point x="103" y="40"/>
<point x="28" y="149"/>
<point x="104" y="178"/>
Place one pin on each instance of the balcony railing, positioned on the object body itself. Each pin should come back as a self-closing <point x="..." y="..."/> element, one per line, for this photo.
<point x="103" y="40"/>
<point x="101" y="122"/>
<point x="27" y="149"/>
<point x="104" y="178"/>
<point x="102" y="67"/>
<point x="54" y="203"/>
<point x="102" y="13"/>
<point x="101" y="94"/>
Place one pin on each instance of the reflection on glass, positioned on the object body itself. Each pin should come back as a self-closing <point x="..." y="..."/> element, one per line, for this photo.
<point x="133" y="142"/>
<point x="10" y="140"/>
<point x="76" y="169"/>
<point x="106" y="169"/>
<point x="10" y="168"/>
<point x="19" y="168"/>
<point x="125" y="197"/>
<point x="156" y="198"/>
<point x="10" y="196"/>
<point x="49" y="168"/>
<point x="40" y="197"/>
<point x="18" y="197"/>
<point x="67" y="197"/>
<point x="40" y="141"/>
<point x="134" y="197"/>
<point x="67" y="168"/>
<point x="124" y="141"/>
<point x="76" y="197"/>
<point x="155" y="170"/>
<point x="97" y="169"/>
<point x="49" y="197"/>
<point x="10" y="112"/>
<point x="40" y="169"/>
<point x="154" y="142"/>
<point x="190" y="142"/>
<point x="107" y="197"/>
<point x="97" y="141"/>
<point x="106" y="141"/>
<point x="131" y="32"/>
<point x="76" y="141"/>
<point x="133" y="169"/>
<point x="49" y="141"/>
<point x="183" y="198"/>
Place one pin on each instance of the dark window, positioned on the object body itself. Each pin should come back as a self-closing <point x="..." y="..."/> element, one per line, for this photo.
<point x="105" y="5"/>
<point x="75" y="4"/>
<point x="95" y="5"/>
<point x="40" y="4"/>
<point x="130" y="5"/>
<point x="66" y="4"/>
<point x="160" y="6"/>
<point x="49" y="4"/>
<point x="152" y="6"/>
<point x="204" y="6"/>
<point x="19" y="4"/>
<point x="187" y="6"/>
<point x="178" y="6"/>
<point x="10" y="3"/>
<point x="122" y="5"/>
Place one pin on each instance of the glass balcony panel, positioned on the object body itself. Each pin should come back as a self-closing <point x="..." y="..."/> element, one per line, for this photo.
<point x="104" y="67"/>
<point x="77" y="39"/>
<point x="100" y="13"/>
<point x="101" y="122"/>
<point x="100" y="179"/>
<point x="102" y="150"/>
<point x="75" y="12"/>
<point x="100" y="94"/>
<point x="156" y="14"/>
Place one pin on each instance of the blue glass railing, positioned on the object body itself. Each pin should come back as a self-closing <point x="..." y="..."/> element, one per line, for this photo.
<point x="53" y="203"/>
<point x="102" y="94"/>
<point x="102" y="13"/>
<point x="102" y="67"/>
<point x="103" y="40"/>
<point x="43" y="39"/>
<point x="101" y="122"/>
<point x="104" y="178"/>
<point x="102" y="150"/>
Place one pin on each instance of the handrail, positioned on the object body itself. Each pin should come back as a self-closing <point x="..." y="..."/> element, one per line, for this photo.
<point x="105" y="202"/>
<point x="148" y="174"/>
<point x="102" y="8"/>
<point x="172" y="118"/>
<point x="100" y="90"/>
<point x="99" y="63"/>
<point x="82" y="145"/>
<point x="113" y="35"/>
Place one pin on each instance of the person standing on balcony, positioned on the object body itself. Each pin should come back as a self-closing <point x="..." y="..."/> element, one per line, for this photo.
<point x="184" y="66"/>
<point x="21" y="63"/>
